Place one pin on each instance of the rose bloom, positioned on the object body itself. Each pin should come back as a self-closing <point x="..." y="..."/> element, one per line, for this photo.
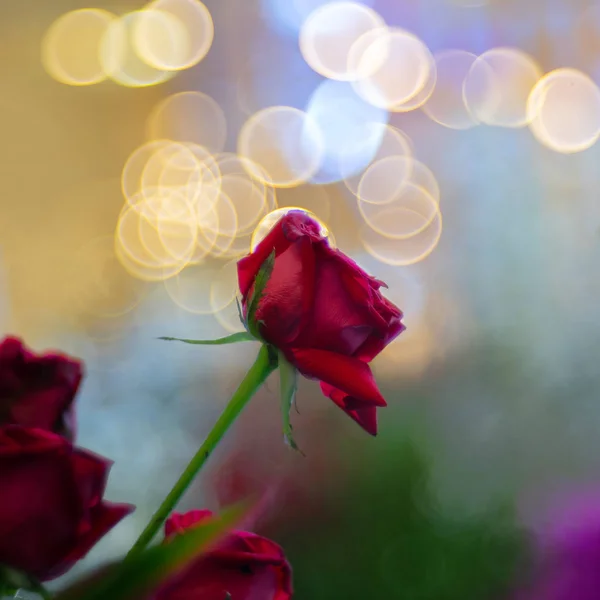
<point x="51" y="506"/>
<point x="37" y="390"/>
<point x="323" y="312"/>
<point x="243" y="566"/>
<point x="567" y="552"/>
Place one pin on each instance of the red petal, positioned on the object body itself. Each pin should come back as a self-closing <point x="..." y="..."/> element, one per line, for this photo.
<point x="289" y="294"/>
<point x="24" y="441"/>
<point x="374" y="345"/>
<point x="249" y="265"/>
<point x="104" y="517"/>
<point x="179" y="523"/>
<point x="293" y="226"/>
<point x="363" y="413"/>
<point x="337" y="323"/>
<point x="91" y="474"/>
<point x="348" y="374"/>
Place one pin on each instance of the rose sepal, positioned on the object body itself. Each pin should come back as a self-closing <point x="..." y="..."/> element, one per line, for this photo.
<point x="260" y="283"/>
<point x="288" y="386"/>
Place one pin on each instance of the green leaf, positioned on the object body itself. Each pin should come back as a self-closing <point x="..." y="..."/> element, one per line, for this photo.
<point x="288" y="383"/>
<point x="241" y="336"/>
<point x="260" y="283"/>
<point x="133" y="578"/>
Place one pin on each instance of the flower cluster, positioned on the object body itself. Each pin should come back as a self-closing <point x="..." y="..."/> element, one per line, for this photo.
<point x="52" y="509"/>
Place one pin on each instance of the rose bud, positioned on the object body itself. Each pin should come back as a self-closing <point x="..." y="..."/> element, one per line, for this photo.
<point x="51" y="506"/>
<point x="322" y="312"/>
<point x="37" y="390"/>
<point x="242" y="566"/>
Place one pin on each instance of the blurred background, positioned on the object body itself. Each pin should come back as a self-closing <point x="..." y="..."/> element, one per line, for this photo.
<point x="448" y="146"/>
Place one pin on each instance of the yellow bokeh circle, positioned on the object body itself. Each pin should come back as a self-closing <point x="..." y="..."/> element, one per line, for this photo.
<point x="284" y="142"/>
<point x="330" y="31"/>
<point x="71" y="46"/>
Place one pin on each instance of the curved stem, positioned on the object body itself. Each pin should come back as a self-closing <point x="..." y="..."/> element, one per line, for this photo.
<point x="256" y="376"/>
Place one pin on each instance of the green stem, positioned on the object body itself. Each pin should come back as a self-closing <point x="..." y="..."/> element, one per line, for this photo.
<point x="256" y="376"/>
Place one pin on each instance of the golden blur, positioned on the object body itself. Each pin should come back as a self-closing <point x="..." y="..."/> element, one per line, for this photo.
<point x="133" y="175"/>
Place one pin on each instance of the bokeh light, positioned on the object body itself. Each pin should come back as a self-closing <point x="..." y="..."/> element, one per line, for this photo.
<point x="421" y="97"/>
<point x="195" y="33"/>
<point x="385" y="141"/>
<point x="383" y="180"/>
<point x="405" y="214"/>
<point x="286" y="17"/>
<point x="346" y="124"/>
<point x="119" y="58"/>
<point x="446" y="104"/>
<point x="189" y="117"/>
<point x="422" y="176"/>
<point x="498" y="85"/>
<point x="392" y="66"/>
<point x="408" y="250"/>
<point x="286" y="144"/>
<point x="141" y="248"/>
<point x="564" y="110"/>
<point x="161" y="40"/>
<point x="329" y="33"/>
<point x="189" y="289"/>
<point x="71" y="46"/>
<point x="131" y="176"/>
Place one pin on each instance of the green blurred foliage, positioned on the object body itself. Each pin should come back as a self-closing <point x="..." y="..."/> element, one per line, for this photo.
<point x="385" y="537"/>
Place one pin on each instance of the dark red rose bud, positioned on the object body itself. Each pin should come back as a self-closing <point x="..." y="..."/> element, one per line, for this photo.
<point x="323" y="312"/>
<point x="51" y="506"/>
<point x="38" y="390"/>
<point x="243" y="566"/>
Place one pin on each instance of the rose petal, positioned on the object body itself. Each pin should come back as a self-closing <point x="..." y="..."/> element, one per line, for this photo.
<point x="178" y="523"/>
<point x="289" y="293"/>
<point x="346" y="373"/>
<point x="103" y="518"/>
<point x="91" y="474"/>
<point x="38" y="390"/>
<point x="248" y="266"/>
<point x="363" y="413"/>
<point x="336" y="323"/>
<point x="297" y="224"/>
<point x="375" y="344"/>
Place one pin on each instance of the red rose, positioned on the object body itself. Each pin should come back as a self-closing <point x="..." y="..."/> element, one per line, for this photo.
<point x="51" y="506"/>
<point x="37" y="390"/>
<point x="323" y="312"/>
<point x="243" y="566"/>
